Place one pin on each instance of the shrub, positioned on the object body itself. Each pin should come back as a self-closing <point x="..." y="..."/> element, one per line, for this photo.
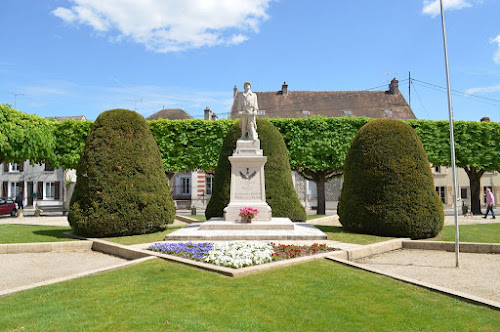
<point x="388" y="187"/>
<point x="280" y="193"/>
<point x="121" y="187"/>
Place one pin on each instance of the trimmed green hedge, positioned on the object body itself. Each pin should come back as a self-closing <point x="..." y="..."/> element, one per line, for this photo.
<point x="388" y="187"/>
<point x="121" y="186"/>
<point x="280" y="193"/>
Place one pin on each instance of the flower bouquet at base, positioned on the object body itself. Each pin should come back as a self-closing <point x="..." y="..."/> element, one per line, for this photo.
<point x="248" y="213"/>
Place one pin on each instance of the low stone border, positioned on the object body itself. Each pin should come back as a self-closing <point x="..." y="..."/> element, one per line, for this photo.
<point x="74" y="276"/>
<point x="381" y="247"/>
<point x="133" y="256"/>
<point x="186" y="219"/>
<point x="40" y="247"/>
<point x="231" y="272"/>
<point x="468" y="247"/>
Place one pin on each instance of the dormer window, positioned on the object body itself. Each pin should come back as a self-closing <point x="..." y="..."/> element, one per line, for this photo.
<point x="306" y="112"/>
<point x="347" y="112"/>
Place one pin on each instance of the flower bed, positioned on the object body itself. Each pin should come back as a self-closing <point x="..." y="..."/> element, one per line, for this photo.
<point x="237" y="254"/>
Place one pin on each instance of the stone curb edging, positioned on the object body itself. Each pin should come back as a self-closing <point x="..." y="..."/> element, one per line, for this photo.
<point x="186" y="219"/>
<point x="432" y="287"/>
<point x="466" y="247"/>
<point x="231" y="272"/>
<point x="41" y="247"/>
<point x="133" y="253"/>
<point x="347" y="256"/>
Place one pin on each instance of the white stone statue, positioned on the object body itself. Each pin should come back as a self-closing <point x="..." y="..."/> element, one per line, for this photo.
<point x="247" y="110"/>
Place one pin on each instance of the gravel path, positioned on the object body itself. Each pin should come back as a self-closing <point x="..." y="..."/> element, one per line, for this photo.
<point x="478" y="274"/>
<point x="23" y="269"/>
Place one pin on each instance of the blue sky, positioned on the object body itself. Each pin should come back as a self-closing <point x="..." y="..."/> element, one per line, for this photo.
<point x="82" y="57"/>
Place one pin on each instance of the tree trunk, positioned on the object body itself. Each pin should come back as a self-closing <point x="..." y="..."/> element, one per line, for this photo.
<point x="320" y="194"/>
<point x="475" y="188"/>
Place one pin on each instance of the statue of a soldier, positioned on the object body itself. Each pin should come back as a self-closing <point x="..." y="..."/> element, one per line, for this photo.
<point x="247" y="110"/>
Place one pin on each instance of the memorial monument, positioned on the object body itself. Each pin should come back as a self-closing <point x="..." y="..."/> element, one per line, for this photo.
<point x="247" y="190"/>
<point x="247" y="164"/>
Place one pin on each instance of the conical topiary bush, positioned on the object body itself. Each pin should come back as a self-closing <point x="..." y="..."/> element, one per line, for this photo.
<point x="388" y="187"/>
<point x="280" y="193"/>
<point x="121" y="186"/>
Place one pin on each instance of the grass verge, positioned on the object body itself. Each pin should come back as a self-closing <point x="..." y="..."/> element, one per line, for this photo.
<point x="314" y="296"/>
<point x="482" y="233"/>
<point x="143" y="238"/>
<point x="337" y="233"/>
<point x="29" y="234"/>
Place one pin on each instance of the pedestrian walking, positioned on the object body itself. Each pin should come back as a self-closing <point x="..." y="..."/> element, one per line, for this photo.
<point x="19" y="199"/>
<point x="490" y="203"/>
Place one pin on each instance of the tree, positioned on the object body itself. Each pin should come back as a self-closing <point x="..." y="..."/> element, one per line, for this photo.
<point x="25" y="137"/>
<point x="388" y="185"/>
<point x="477" y="146"/>
<point x="189" y="144"/>
<point x="121" y="188"/>
<point x="318" y="147"/>
<point x="71" y="136"/>
<point x="280" y="193"/>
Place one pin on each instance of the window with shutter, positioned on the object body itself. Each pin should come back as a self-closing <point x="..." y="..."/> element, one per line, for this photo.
<point x="5" y="187"/>
<point x="6" y="167"/>
<point x="48" y="168"/>
<point x="57" y="194"/>
<point x="21" y="167"/>
<point x="40" y="190"/>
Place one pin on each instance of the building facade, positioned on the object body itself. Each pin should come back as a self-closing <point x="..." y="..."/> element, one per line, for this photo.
<point x="39" y="183"/>
<point x="443" y="182"/>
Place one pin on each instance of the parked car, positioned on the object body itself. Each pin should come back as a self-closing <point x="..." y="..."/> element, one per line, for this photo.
<point x="8" y="206"/>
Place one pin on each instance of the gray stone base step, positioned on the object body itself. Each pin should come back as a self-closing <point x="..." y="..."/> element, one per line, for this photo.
<point x="221" y="224"/>
<point x="300" y="231"/>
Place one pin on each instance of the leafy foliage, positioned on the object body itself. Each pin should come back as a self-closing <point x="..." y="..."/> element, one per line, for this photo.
<point x="71" y="136"/>
<point x="318" y="147"/>
<point x="388" y="186"/>
<point x="189" y="144"/>
<point x="121" y="187"/>
<point x="280" y="193"/>
<point x="24" y="136"/>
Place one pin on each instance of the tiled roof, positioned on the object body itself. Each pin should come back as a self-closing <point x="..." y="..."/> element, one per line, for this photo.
<point x="170" y="113"/>
<point x="298" y="104"/>
<point x="76" y="117"/>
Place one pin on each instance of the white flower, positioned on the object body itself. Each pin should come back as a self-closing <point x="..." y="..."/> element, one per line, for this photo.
<point x="237" y="254"/>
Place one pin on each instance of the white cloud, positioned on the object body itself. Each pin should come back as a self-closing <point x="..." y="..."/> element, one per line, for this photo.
<point x="487" y="89"/>
<point x="170" y="25"/>
<point x="432" y="7"/>
<point x="496" y="56"/>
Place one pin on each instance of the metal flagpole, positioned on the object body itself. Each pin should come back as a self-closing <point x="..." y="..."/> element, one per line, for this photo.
<point x="452" y="139"/>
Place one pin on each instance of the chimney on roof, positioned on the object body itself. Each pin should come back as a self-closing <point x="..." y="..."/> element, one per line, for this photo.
<point x="393" y="87"/>
<point x="235" y="89"/>
<point x="485" y="119"/>
<point x="208" y="113"/>
<point x="284" y="89"/>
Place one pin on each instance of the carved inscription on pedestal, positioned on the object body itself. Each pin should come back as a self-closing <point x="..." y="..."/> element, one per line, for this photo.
<point x="247" y="184"/>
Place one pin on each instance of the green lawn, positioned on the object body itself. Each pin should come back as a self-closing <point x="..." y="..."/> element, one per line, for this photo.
<point x="337" y="233"/>
<point x="314" y="296"/>
<point x="144" y="238"/>
<point x="198" y="217"/>
<point x="28" y="234"/>
<point x="484" y="233"/>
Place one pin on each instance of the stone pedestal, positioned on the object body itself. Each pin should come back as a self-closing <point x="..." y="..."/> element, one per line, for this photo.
<point x="247" y="181"/>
